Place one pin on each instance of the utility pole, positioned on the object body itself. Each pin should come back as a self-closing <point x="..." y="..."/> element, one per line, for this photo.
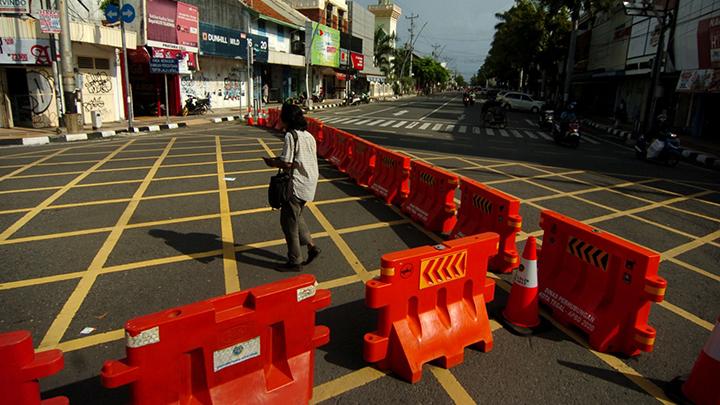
<point x="71" y="119"/>
<point x="435" y="53"/>
<point x="128" y="99"/>
<point x="412" y="18"/>
<point x="56" y="75"/>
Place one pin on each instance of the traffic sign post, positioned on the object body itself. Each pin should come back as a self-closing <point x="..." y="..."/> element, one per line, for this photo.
<point x="128" y="98"/>
<point x="127" y="13"/>
<point x="112" y="13"/>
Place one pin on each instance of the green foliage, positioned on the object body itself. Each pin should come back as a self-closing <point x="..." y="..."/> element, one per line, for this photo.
<point x="105" y="3"/>
<point x="383" y="50"/>
<point x="460" y="80"/>
<point x="429" y="73"/>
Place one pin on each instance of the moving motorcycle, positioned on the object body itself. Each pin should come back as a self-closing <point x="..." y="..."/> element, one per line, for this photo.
<point x="468" y="99"/>
<point x="664" y="149"/>
<point x="567" y="132"/>
<point x="495" y="117"/>
<point x="546" y="119"/>
<point x="194" y="105"/>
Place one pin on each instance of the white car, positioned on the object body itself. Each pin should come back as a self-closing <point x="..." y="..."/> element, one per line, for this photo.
<point x="520" y="101"/>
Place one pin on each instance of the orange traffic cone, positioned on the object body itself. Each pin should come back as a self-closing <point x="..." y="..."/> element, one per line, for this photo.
<point x="701" y="388"/>
<point x="261" y="118"/>
<point x="250" y="120"/>
<point x="522" y="312"/>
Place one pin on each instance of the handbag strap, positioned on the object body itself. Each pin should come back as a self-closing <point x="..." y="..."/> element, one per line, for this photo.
<point x="295" y="152"/>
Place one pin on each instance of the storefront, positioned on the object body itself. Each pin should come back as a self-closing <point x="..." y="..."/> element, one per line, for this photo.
<point x="698" y="102"/>
<point x="325" y="58"/>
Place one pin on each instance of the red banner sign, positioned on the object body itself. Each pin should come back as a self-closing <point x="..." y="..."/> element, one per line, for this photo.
<point x="172" y="25"/>
<point x="358" y="60"/>
<point x="187" y="25"/>
<point x="708" y="37"/>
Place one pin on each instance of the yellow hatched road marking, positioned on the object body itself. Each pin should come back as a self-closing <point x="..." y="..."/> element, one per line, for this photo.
<point x="36" y="210"/>
<point x="72" y="305"/>
<point x="232" y="280"/>
<point x="29" y="165"/>
<point x="687" y="315"/>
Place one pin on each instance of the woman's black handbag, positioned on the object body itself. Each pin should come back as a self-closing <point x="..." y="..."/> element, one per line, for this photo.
<point x="281" y="185"/>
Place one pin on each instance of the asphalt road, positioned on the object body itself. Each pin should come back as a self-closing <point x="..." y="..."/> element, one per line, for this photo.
<point x="95" y="233"/>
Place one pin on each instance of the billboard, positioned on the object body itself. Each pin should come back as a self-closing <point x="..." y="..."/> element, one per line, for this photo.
<point x="24" y="51"/>
<point x="221" y="41"/>
<point x="172" y="25"/>
<point x="358" y="60"/>
<point x="325" y="45"/>
<point x="708" y="40"/>
<point x="260" y="47"/>
<point x="14" y="6"/>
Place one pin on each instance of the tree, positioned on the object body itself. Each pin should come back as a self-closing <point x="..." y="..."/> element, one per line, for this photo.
<point x="383" y="50"/>
<point x="429" y="73"/>
<point x="460" y="80"/>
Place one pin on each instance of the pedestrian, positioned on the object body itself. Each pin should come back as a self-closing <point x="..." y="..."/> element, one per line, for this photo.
<point x="265" y="93"/>
<point x="620" y="113"/>
<point x="299" y="148"/>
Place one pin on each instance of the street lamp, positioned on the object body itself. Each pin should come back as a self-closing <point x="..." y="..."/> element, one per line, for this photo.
<point x="660" y="9"/>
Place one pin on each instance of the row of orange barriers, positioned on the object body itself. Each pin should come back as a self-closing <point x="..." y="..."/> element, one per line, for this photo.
<point x="425" y="193"/>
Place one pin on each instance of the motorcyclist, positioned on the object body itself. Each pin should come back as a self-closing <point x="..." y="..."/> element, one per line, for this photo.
<point x="492" y="104"/>
<point x="568" y="113"/>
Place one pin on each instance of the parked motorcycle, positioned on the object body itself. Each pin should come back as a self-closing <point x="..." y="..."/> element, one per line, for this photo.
<point x="495" y="117"/>
<point x="567" y="133"/>
<point x="546" y="119"/>
<point x="318" y="98"/>
<point x="357" y="99"/>
<point x="194" y="105"/>
<point x="365" y="98"/>
<point x="664" y="149"/>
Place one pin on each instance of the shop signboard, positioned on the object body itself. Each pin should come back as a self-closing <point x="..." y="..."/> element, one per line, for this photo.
<point x="172" y="25"/>
<point x="260" y="47"/>
<point x="699" y="81"/>
<point x="49" y="21"/>
<point x="344" y="57"/>
<point x="325" y="45"/>
<point x="358" y="61"/>
<point x="24" y="51"/>
<point x="14" y="6"/>
<point x="221" y="41"/>
<point x="708" y="39"/>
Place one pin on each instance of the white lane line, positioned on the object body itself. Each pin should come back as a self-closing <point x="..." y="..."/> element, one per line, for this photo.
<point x="476" y="130"/>
<point x="532" y="124"/>
<point x="351" y="121"/>
<point x="531" y="135"/>
<point x="399" y="124"/>
<point x="489" y="131"/>
<point x="425" y="125"/>
<point x="504" y="133"/>
<point x="342" y="120"/>
<point x="437" y="109"/>
<point x="437" y="127"/>
<point x="516" y="133"/>
<point x="450" y="128"/>
<point x="375" y="112"/>
<point x="463" y="129"/>
<point x="592" y="141"/>
<point x="544" y="135"/>
<point x="362" y="122"/>
<point x="372" y="124"/>
<point x="387" y="123"/>
<point x="399" y="113"/>
<point x="412" y="124"/>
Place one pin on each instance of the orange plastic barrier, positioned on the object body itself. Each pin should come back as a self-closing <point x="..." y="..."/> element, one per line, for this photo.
<point x="432" y="197"/>
<point x="485" y="209"/>
<point x="250" y="347"/>
<point x="391" y="180"/>
<point x="273" y="117"/>
<point x="342" y="148"/>
<point x="327" y="140"/>
<point x="432" y="305"/>
<point x="599" y="282"/>
<point x="362" y="165"/>
<point x="21" y="367"/>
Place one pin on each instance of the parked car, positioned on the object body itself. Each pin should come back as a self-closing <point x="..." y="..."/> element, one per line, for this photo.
<point x="520" y="101"/>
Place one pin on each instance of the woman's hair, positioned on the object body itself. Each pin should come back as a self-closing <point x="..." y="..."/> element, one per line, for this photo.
<point x="292" y="116"/>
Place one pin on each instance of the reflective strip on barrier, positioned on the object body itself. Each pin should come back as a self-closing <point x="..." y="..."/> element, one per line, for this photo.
<point x="431" y="303"/>
<point x="599" y="282"/>
<point x="391" y="179"/>
<point x="431" y="201"/>
<point x="251" y="347"/>
<point x="485" y="209"/>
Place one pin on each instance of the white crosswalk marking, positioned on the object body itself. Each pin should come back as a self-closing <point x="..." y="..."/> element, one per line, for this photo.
<point x="544" y="135"/>
<point x="437" y="127"/>
<point x="350" y="121"/>
<point x="372" y="124"/>
<point x="342" y="120"/>
<point x="476" y="130"/>
<point x="592" y="141"/>
<point x="531" y="123"/>
<point x="504" y="133"/>
<point x="462" y="129"/>
<point x="399" y="124"/>
<point x="450" y="128"/>
<point x="362" y="122"/>
<point x="425" y="125"/>
<point x="531" y="135"/>
<point x="516" y="133"/>
<point x="412" y="124"/>
<point x="489" y="131"/>
<point x="387" y="123"/>
<point x="328" y="119"/>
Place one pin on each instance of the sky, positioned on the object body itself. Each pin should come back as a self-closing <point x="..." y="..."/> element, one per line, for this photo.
<point x="464" y="27"/>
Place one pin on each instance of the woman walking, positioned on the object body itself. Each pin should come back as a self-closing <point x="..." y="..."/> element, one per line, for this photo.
<point x="299" y="157"/>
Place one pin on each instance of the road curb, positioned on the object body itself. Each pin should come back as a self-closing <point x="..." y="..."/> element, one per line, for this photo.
<point x="692" y="156"/>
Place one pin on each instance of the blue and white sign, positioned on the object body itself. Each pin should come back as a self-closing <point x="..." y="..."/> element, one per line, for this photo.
<point x="127" y="13"/>
<point x="112" y="13"/>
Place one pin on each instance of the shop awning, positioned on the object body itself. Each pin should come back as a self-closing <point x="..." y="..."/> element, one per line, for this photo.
<point x="374" y="79"/>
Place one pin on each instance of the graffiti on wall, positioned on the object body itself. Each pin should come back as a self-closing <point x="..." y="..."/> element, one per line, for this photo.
<point x="195" y="85"/>
<point x="231" y="85"/>
<point x="97" y="83"/>
<point x="94" y="104"/>
<point x="40" y="90"/>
